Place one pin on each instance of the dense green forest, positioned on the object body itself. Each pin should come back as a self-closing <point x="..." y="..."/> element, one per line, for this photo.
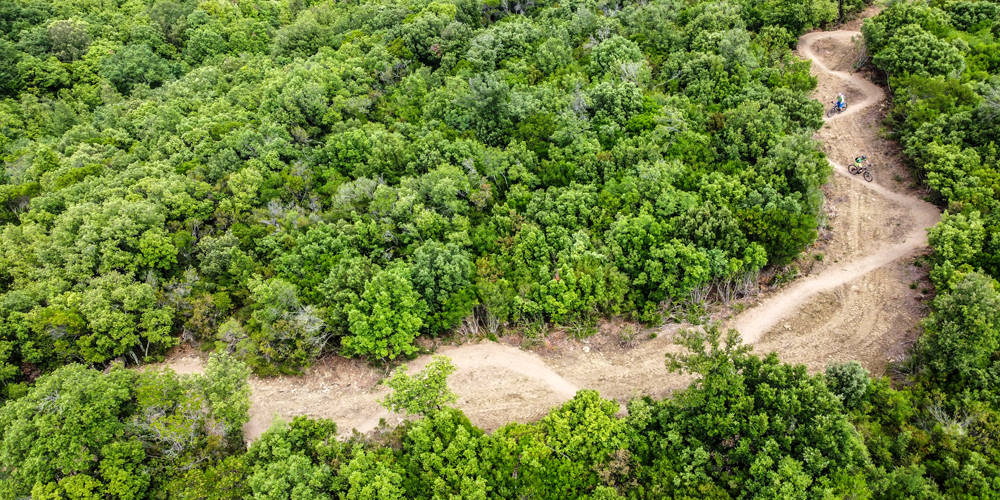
<point x="278" y="179"/>
<point x="288" y="178"/>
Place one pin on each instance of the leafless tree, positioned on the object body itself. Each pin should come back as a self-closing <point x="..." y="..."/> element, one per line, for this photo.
<point x="579" y="103"/>
<point x="861" y="51"/>
<point x="700" y="294"/>
<point x="630" y="71"/>
<point x="991" y="103"/>
<point x="748" y="283"/>
<point x="956" y="425"/>
<point x="726" y="289"/>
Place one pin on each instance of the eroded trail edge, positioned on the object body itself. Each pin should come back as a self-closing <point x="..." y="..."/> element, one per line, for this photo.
<point x="498" y="383"/>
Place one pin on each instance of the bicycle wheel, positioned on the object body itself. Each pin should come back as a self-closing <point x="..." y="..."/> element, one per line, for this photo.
<point x="852" y="169"/>
<point x="830" y="112"/>
<point x="868" y="176"/>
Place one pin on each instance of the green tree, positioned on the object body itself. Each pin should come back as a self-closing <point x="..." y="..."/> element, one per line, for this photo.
<point x="782" y="233"/>
<point x="552" y="55"/>
<point x="372" y="475"/>
<point x="228" y="392"/>
<point x="958" y="175"/>
<point x="742" y="409"/>
<point x="344" y="286"/>
<point x="203" y="43"/>
<point x="488" y="100"/>
<point x="294" y="477"/>
<point x="172" y="19"/>
<point x="913" y="50"/>
<point x="134" y="65"/>
<point x="69" y="39"/>
<point x="302" y="38"/>
<point x="563" y="456"/>
<point x="314" y="439"/>
<point x="798" y="17"/>
<point x="66" y="434"/>
<point x="423" y="33"/>
<point x="878" y="31"/>
<point x="957" y="238"/>
<point x="849" y="381"/>
<point x="283" y="335"/>
<point x="441" y="275"/>
<point x="751" y="131"/>
<point x="293" y="460"/>
<point x="443" y="455"/>
<point x="122" y="317"/>
<point x="659" y="268"/>
<point x="424" y="393"/>
<point x="387" y="318"/>
<point x="612" y="54"/>
<point x="223" y="480"/>
<point x="962" y="334"/>
<point x="10" y="77"/>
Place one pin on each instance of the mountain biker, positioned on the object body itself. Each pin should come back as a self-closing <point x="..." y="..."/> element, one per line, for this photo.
<point x="840" y="101"/>
<point x="859" y="160"/>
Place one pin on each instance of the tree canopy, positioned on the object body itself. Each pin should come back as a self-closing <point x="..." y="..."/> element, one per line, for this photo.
<point x="284" y="179"/>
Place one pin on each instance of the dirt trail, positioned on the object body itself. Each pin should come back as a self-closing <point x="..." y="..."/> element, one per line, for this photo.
<point x="755" y="322"/>
<point x="841" y="311"/>
<point x="479" y="358"/>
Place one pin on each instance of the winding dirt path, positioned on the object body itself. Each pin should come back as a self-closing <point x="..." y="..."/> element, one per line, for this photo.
<point x="498" y="383"/>
<point x="755" y="322"/>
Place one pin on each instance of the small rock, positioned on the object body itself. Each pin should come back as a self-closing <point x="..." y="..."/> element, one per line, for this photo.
<point x="787" y="326"/>
<point x="854" y="288"/>
<point x="586" y="348"/>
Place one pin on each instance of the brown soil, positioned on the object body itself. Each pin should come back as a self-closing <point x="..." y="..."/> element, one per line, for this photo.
<point x="871" y="320"/>
<point x="856" y="303"/>
<point x="831" y="50"/>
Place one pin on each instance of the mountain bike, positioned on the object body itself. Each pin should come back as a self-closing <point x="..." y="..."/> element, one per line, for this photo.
<point x="862" y="169"/>
<point x="836" y="109"/>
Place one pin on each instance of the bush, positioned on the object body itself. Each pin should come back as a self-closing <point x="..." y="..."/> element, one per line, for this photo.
<point x="133" y="65"/>
<point x="849" y="381"/>
<point x="425" y="393"/>
<point x="387" y="318"/>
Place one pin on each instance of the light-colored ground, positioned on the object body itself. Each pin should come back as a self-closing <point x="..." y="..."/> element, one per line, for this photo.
<point x="857" y="303"/>
<point x="867" y="246"/>
<point x="854" y="304"/>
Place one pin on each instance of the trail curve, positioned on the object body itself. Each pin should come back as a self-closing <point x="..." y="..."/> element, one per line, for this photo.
<point x="475" y="357"/>
<point x="753" y="323"/>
